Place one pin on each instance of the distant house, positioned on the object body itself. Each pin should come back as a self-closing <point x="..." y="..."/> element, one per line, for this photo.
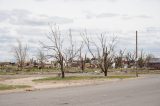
<point x="49" y="63"/>
<point x="128" y="64"/>
<point x="154" y="63"/>
<point x="6" y="64"/>
<point x="75" y="63"/>
<point x="94" y="63"/>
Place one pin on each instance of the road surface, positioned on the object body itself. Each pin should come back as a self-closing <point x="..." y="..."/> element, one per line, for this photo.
<point x="136" y="92"/>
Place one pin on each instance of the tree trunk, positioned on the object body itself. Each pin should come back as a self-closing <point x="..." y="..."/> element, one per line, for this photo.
<point x="104" y="70"/>
<point x="62" y="68"/>
<point x="82" y="65"/>
<point x="63" y="75"/>
<point x="62" y="71"/>
<point x="105" y="73"/>
<point x="105" y="65"/>
<point x="21" y="66"/>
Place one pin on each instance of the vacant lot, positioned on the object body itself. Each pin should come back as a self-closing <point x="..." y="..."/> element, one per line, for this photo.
<point x="35" y="82"/>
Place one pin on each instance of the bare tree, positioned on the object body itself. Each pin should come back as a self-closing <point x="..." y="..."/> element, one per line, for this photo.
<point x="82" y="60"/>
<point x="56" y="47"/>
<point x="141" y="60"/>
<point x="119" y="59"/>
<point x="130" y="57"/>
<point x="148" y="58"/>
<point x="20" y="53"/>
<point x="61" y="54"/>
<point x="41" y="57"/>
<point x="72" y="51"/>
<point x="104" y="51"/>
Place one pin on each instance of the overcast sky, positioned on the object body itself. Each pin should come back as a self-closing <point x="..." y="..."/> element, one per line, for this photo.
<point x="28" y="20"/>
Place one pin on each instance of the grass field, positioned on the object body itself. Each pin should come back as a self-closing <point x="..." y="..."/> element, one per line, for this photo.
<point x="10" y="87"/>
<point x="81" y="78"/>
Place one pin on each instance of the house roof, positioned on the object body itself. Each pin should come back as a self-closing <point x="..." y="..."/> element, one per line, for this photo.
<point x="5" y="63"/>
<point x="154" y="60"/>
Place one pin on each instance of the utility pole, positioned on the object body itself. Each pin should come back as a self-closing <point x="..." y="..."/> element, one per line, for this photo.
<point x="136" y="53"/>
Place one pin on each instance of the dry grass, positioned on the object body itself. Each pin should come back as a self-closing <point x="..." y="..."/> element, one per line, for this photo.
<point x="10" y="87"/>
<point x="81" y="78"/>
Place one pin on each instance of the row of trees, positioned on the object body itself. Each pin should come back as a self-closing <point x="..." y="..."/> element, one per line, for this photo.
<point x="101" y="48"/>
<point x="130" y="59"/>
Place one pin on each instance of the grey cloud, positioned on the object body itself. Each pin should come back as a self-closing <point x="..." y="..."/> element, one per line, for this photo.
<point x="30" y="31"/>
<point x="3" y="15"/>
<point x="6" y="39"/>
<point x="153" y="30"/>
<point x="128" y="17"/>
<point x="24" y="17"/>
<point x="79" y="0"/>
<point x="7" y="15"/>
<point x="60" y="20"/>
<point x="90" y="15"/>
<point x="4" y="31"/>
<point x="148" y="40"/>
<point x="33" y="21"/>
<point x="40" y="0"/>
<point x="92" y="0"/>
<point x="103" y="15"/>
<point x="143" y="16"/>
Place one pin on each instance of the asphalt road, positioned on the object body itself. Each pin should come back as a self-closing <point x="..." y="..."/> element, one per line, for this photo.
<point x="137" y="92"/>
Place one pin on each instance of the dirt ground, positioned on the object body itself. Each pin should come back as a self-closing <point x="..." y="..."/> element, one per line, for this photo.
<point x="27" y="80"/>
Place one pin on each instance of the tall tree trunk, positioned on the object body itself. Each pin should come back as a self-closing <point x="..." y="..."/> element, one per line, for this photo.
<point x="21" y="66"/>
<point x="82" y="64"/>
<point x="63" y="75"/>
<point x="105" y="70"/>
<point x="105" y="73"/>
<point x="105" y="65"/>
<point x="62" y="68"/>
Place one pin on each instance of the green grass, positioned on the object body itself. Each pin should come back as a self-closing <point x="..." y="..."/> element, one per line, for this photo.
<point x="10" y="87"/>
<point x="81" y="78"/>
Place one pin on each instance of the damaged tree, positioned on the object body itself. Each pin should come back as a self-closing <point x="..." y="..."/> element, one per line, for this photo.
<point x="56" y="47"/>
<point x="82" y="61"/>
<point x="20" y="53"/>
<point x="71" y="51"/>
<point x="119" y="59"/>
<point x="41" y="58"/>
<point x="130" y="58"/>
<point x="61" y="52"/>
<point x="104" y="51"/>
<point x="141" y="60"/>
